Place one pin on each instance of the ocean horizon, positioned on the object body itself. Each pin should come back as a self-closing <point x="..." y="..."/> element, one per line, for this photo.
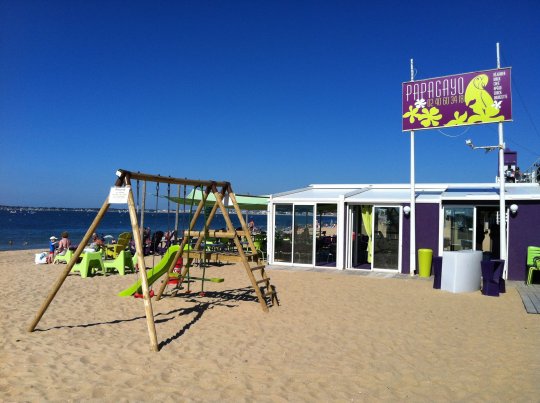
<point x="31" y="227"/>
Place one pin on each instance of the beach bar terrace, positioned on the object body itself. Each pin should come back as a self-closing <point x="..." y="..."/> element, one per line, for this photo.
<point x="367" y="226"/>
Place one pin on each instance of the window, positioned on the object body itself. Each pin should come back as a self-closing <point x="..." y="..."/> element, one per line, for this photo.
<point x="458" y="228"/>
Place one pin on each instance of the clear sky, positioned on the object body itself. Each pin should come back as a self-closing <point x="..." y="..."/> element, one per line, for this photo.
<point x="270" y="95"/>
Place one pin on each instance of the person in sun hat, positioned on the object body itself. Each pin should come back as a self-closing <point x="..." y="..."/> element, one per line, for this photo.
<point x="52" y="247"/>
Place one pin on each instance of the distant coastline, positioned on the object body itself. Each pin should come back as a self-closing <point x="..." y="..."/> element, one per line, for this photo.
<point x="28" y="209"/>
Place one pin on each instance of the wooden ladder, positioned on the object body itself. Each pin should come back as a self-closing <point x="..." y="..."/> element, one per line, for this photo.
<point x="265" y="291"/>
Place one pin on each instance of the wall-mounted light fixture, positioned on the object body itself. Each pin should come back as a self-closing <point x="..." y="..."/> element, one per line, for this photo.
<point x="514" y="208"/>
<point x="407" y="210"/>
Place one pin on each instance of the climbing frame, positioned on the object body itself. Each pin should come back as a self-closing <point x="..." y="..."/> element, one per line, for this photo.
<point x="256" y="273"/>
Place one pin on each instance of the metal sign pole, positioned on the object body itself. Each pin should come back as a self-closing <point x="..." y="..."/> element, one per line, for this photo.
<point x="502" y="201"/>
<point x="412" y="216"/>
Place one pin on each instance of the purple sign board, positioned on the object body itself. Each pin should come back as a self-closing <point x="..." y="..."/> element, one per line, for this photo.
<point x="462" y="99"/>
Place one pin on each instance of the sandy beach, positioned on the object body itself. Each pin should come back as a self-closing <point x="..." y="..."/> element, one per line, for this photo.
<point x="335" y="337"/>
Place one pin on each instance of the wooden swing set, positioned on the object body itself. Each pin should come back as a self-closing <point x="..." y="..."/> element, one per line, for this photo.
<point x="264" y="290"/>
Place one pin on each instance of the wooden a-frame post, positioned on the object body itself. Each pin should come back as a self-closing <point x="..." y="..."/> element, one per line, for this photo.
<point x="72" y="261"/>
<point x="142" y="269"/>
<point x="123" y="179"/>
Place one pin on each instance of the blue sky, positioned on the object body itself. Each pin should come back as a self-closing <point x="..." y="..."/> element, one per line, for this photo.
<point x="270" y="95"/>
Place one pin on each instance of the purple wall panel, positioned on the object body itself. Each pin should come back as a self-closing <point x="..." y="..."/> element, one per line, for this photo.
<point x="510" y="157"/>
<point x="427" y="232"/>
<point x="524" y="231"/>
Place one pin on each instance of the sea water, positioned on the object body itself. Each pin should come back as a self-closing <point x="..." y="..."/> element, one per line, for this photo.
<point x="31" y="228"/>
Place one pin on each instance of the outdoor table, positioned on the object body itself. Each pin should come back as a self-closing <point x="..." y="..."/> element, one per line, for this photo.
<point x="461" y="271"/>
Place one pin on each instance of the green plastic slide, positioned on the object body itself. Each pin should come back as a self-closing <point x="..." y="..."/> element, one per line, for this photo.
<point x="153" y="274"/>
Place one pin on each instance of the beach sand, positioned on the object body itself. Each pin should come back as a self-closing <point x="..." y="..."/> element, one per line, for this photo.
<point x="335" y="337"/>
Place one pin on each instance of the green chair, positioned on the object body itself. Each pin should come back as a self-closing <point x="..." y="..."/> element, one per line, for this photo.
<point x="112" y="251"/>
<point x="260" y="246"/>
<point x="65" y="258"/>
<point x="533" y="261"/>
<point x="89" y="261"/>
<point x="123" y="260"/>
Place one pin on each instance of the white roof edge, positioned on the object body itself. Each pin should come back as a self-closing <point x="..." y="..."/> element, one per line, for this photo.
<point x="417" y="185"/>
<point x="356" y="191"/>
<point x="350" y="190"/>
<point x="289" y="192"/>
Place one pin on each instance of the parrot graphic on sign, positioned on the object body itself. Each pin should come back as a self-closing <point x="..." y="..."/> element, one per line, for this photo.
<point x="480" y="101"/>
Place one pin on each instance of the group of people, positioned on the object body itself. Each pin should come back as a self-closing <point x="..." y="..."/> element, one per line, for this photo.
<point x="156" y="242"/>
<point x="58" y="247"/>
<point x="150" y="243"/>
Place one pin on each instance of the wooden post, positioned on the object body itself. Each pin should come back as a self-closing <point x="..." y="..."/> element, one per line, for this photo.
<point x="241" y="218"/>
<point x="69" y="265"/>
<point x="142" y="270"/>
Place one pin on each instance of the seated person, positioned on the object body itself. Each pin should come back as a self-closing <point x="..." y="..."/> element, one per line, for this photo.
<point x="96" y="243"/>
<point x="64" y="244"/>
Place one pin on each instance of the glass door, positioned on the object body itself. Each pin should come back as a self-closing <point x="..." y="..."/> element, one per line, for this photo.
<point x="359" y="226"/>
<point x="386" y="237"/>
<point x="326" y="235"/>
<point x="303" y="234"/>
<point x="487" y="231"/>
<point x="283" y="233"/>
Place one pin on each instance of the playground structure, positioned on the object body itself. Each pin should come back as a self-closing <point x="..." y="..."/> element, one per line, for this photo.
<point x="264" y="290"/>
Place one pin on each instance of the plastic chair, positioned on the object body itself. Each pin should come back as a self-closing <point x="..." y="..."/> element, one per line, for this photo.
<point x="89" y="261"/>
<point x="123" y="260"/>
<point x="65" y="258"/>
<point x="533" y="261"/>
<point x="492" y="281"/>
<point x="123" y="242"/>
<point x="437" y="271"/>
<point x="260" y="246"/>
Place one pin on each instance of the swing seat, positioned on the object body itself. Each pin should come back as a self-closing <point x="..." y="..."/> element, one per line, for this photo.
<point x="140" y="295"/>
<point x="123" y="260"/>
<point x="174" y="278"/>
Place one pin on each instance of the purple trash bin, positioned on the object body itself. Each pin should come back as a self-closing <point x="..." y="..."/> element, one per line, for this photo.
<point x="437" y="271"/>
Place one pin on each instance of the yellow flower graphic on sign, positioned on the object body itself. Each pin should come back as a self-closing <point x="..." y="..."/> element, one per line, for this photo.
<point x="412" y="114"/>
<point x="458" y="120"/>
<point x="430" y="117"/>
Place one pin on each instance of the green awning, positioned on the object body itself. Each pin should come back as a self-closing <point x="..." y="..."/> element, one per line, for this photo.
<point x="245" y="202"/>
